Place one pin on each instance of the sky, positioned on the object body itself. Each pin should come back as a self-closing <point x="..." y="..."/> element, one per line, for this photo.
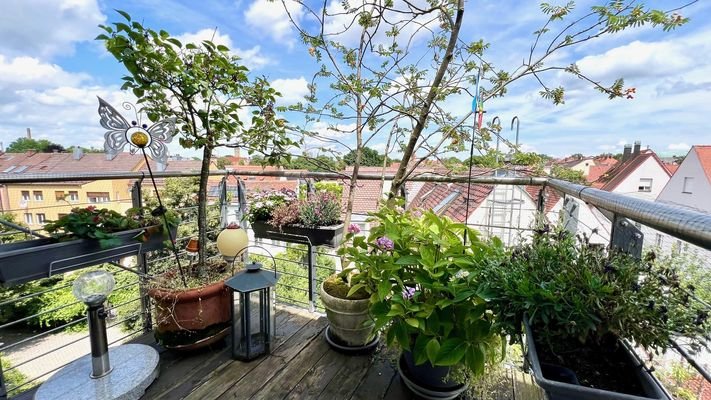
<point x="52" y="70"/>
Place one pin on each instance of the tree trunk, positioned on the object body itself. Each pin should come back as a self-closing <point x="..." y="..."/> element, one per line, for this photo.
<point x="407" y="154"/>
<point x="202" y="205"/>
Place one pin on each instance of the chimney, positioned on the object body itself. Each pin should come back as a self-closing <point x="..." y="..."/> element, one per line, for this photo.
<point x="78" y="153"/>
<point x="637" y="146"/>
<point x="237" y="151"/>
<point x="627" y="152"/>
<point x="29" y="133"/>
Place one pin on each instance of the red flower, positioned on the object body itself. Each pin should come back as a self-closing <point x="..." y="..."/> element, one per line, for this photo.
<point x="96" y="219"/>
<point x="91" y="208"/>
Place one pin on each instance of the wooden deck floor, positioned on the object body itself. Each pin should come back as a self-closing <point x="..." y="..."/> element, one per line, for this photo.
<point x="302" y="366"/>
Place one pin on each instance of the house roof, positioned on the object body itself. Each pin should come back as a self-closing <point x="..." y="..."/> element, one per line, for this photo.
<point x="616" y="175"/>
<point x="450" y="199"/>
<point x="704" y="154"/>
<point x="552" y="196"/>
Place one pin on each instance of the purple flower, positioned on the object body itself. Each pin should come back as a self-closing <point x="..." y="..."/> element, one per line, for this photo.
<point x="408" y="293"/>
<point x="384" y="243"/>
<point x="353" y="228"/>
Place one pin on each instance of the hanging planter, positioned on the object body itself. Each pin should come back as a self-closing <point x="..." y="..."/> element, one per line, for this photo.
<point x="318" y="236"/>
<point x="41" y="258"/>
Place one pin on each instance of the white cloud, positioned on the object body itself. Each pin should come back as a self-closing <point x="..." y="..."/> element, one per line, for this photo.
<point x="47" y="27"/>
<point x="272" y="19"/>
<point x="26" y="71"/>
<point x="678" y="146"/>
<point x="292" y="90"/>
<point x="251" y="58"/>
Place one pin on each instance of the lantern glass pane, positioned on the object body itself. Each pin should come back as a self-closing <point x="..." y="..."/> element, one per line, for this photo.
<point x="250" y="324"/>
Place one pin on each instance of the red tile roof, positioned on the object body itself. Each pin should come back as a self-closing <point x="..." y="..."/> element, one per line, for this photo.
<point x="552" y="196"/>
<point x="704" y="155"/>
<point x="434" y="194"/>
<point x="616" y="175"/>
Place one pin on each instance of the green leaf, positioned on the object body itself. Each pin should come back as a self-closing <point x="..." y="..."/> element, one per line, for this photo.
<point x="413" y="322"/>
<point x="403" y="338"/>
<point x="354" y="289"/>
<point x="432" y="350"/>
<point x="408" y="260"/>
<point x="475" y="359"/>
<point x="419" y="352"/>
<point x="451" y="352"/>
<point x="384" y="289"/>
<point x="124" y="14"/>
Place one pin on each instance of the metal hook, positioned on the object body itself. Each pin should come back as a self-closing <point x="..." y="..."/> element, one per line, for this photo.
<point x="498" y="137"/>
<point x="518" y="122"/>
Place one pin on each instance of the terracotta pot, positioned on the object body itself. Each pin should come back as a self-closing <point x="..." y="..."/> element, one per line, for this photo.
<point x="188" y="317"/>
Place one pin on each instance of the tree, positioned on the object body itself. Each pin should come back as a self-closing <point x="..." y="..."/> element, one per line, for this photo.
<point x="369" y="158"/>
<point x="567" y="174"/>
<point x="23" y="144"/>
<point x="203" y="87"/>
<point x="381" y="85"/>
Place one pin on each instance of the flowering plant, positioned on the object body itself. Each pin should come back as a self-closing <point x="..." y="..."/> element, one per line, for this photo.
<point x="101" y="224"/>
<point x="420" y="277"/>
<point x="283" y="208"/>
<point x="263" y="203"/>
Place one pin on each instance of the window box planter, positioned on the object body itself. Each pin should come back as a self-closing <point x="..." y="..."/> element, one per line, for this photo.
<point x="557" y="390"/>
<point x="41" y="258"/>
<point x="322" y="236"/>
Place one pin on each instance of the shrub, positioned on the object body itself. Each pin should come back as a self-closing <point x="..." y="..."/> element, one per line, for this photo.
<point x="322" y="209"/>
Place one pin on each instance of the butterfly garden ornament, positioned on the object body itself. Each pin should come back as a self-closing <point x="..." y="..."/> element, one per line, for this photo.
<point x="138" y="136"/>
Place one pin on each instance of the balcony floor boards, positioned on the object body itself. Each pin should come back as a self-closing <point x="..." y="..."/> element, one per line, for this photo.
<point x="301" y="366"/>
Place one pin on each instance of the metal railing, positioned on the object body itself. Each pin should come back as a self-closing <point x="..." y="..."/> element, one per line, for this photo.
<point x="303" y="275"/>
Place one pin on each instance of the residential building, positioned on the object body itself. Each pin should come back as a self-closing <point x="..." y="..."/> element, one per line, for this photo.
<point x="36" y="203"/>
<point x="640" y="173"/>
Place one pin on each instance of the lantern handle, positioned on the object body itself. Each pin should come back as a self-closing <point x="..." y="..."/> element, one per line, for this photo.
<point x="259" y="247"/>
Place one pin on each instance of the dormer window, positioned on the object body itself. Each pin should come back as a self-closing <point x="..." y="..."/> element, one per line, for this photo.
<point x="645" y="185"/>
<point x="688" y="185"/>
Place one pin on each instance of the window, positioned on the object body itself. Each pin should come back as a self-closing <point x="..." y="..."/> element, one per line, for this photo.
<point x="28" y="218"/>
<point x="41" y="218"/>
<point x="26" y="195"/>
<point x="645" y="185"/>
<point x="688" y="184"/>
<point x="659" y="240"/>
<point x="37" y="194"/>
<point x="98" y="197"/>
<point x="59" y="195"/>
<point x="73" y="196"/>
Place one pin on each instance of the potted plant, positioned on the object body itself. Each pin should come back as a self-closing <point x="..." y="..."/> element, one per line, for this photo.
<point x="419" y="274"/>
<point x="202" y="87"/>
<point x="579" y="304"/>
<point x="84" y="237"/>
<point x="318" y="217"/>
<point x="350" y="325"/>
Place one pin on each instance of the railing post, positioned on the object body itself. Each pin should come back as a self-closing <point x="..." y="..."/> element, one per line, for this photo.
<point x="625" y="237"/>
<point x="311" y="259"/>
<point x="223" y="202"/>
<point x="142" y="264"/>
<point x="3" y="389"/>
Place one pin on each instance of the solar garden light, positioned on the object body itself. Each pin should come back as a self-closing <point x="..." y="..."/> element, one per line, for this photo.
<point x="93" y="288"/>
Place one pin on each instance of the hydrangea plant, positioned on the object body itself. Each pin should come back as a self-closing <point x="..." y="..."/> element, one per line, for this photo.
<point x="423" y="295"/>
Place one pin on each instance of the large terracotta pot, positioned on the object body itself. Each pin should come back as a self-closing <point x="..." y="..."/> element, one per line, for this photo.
<point x="194" y="318"/>
<point x="349" y="320"/>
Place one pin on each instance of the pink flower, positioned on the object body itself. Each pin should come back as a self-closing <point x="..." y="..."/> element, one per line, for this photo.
<point x="91" y="208"/>
<point x="385" y="243"/>
<point x="353" y="228"/>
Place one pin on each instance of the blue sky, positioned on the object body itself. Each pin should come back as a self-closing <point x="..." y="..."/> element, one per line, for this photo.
<point x="51" y="70"/>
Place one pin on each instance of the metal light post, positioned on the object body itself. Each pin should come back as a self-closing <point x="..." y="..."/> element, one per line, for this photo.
<point x="93" y="288"/>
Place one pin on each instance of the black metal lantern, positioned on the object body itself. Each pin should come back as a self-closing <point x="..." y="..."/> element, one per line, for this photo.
<point x="253" y="311"/>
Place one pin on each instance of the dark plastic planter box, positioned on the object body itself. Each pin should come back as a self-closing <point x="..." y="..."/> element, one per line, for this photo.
<point x="322" y="236"/>
<point x="566" y="391"/>
<point x="41" y="258"/>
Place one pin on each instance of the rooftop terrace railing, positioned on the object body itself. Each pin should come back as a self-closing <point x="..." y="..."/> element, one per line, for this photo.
<point x="631" y="219"/>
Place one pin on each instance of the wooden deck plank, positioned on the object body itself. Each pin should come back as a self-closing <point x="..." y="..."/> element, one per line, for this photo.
<point x="226" y="375"/>
<point x="256" y="378"/>
<point x="377" y="380"/>
<point x="316" y="378"/>
<point x="397" y="390"/>
<point x="308" y="363"/>
<point x="347" y="379"/>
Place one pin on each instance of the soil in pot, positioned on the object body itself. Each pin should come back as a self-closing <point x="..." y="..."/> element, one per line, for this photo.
<point x="603" y="366"/>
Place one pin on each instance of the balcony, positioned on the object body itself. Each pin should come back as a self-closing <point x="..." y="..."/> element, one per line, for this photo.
<point x="302" y="365"/>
